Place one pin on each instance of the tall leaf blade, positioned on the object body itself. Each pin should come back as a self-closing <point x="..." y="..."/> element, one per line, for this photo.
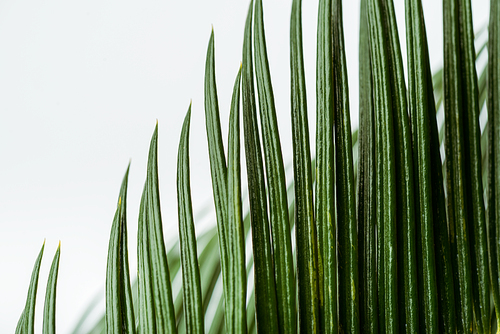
<point x="386" y="172"/>
<point x="218" y="167"/>
<point x="367" y="218"/>
<point x="406" y="211"/>
<point x="191" y="284"/>
<point x="26" y="322"/>
<point x="157" y="311"/>
<point x="307" y="252"/>
<point x="493" y="219"/>
<point x="346" y="200"/>
<point x="428" y="175"/>
<point x="49" y="310"/>
<point x="236" y="295"/>
<point x="455" y="167"/>
<point x="325" y="169"/>
<point x="473" y="171"/>
<point x="119" y="306"/>
<point x="275" y="303"/>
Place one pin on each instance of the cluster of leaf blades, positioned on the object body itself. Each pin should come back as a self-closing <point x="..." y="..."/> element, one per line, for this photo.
<point x="391" y="239"/>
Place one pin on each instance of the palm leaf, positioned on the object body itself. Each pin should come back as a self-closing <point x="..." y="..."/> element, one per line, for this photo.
<point x="325" y="171"/>
<point x="429" y="181"/>
<point x="26" y="322"/>
<point x="493" y="219"/>
<point x="49" y="310"/>
<point x="346" y="200"/>
<point x="193" y="305"/>
<point x="119" y="307"/>
<point x="368" y="305"/>
<point x="305" y="229"/>
<point x="274" y="305"/>
<point x="156" y="309"/>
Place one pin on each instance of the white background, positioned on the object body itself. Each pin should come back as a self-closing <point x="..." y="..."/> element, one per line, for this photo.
<point x="82" y="84"/>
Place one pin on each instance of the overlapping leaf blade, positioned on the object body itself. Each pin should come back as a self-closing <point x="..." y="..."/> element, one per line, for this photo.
<point x="119" y="306"/>
<point x="191" y="284"/>
<point x="275" y="304"/>
<point x="227" y="196"/>
<point x="26" y="322"/>
<point x="429" y="181"/>
<point x="368" y="306"/>
<point x="325" y="171"/>
<point x="236" y="317"/>
<point x="346" y="201"/>
<point x="493" y="218"/>
<point x="49" y="310"/>
<point x="307" y="252"/>
<point x="473" y="171"/>
<point x="386" y="172"/>
<point x="156" y="308"/>
<point x="455" y="146"/>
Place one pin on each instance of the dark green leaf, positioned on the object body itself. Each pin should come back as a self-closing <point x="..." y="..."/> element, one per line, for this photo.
<point x="119" y="306"/>
<point x="428" y="176"/>
<point x="273" y="304"/>
<point x="156" y="308"/>
<point x="494" y="150"/>
<point x="368" y="306"/>
<point x="346" y="200"/>
<point x="455" y="168"/>
<point x="385" y="170"/>
<point x="191" y="285"/>
<point x="307" y="252"/>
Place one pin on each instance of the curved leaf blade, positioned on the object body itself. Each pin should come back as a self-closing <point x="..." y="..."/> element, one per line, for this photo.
<point x="191" y="284"/>
<point x="27" y="320"/>
<point x="49" y="311"/>
<point x="119" y="306"/>
<point x="236" y="298"/>
<point x="156" y="308"/>
<point x="273" y="307"/>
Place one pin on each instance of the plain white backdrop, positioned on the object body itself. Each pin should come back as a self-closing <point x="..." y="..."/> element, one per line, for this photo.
<point x="81" y="87"/>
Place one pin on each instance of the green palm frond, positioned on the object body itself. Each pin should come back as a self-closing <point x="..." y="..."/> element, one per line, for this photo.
<point x="417" y="252"/>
